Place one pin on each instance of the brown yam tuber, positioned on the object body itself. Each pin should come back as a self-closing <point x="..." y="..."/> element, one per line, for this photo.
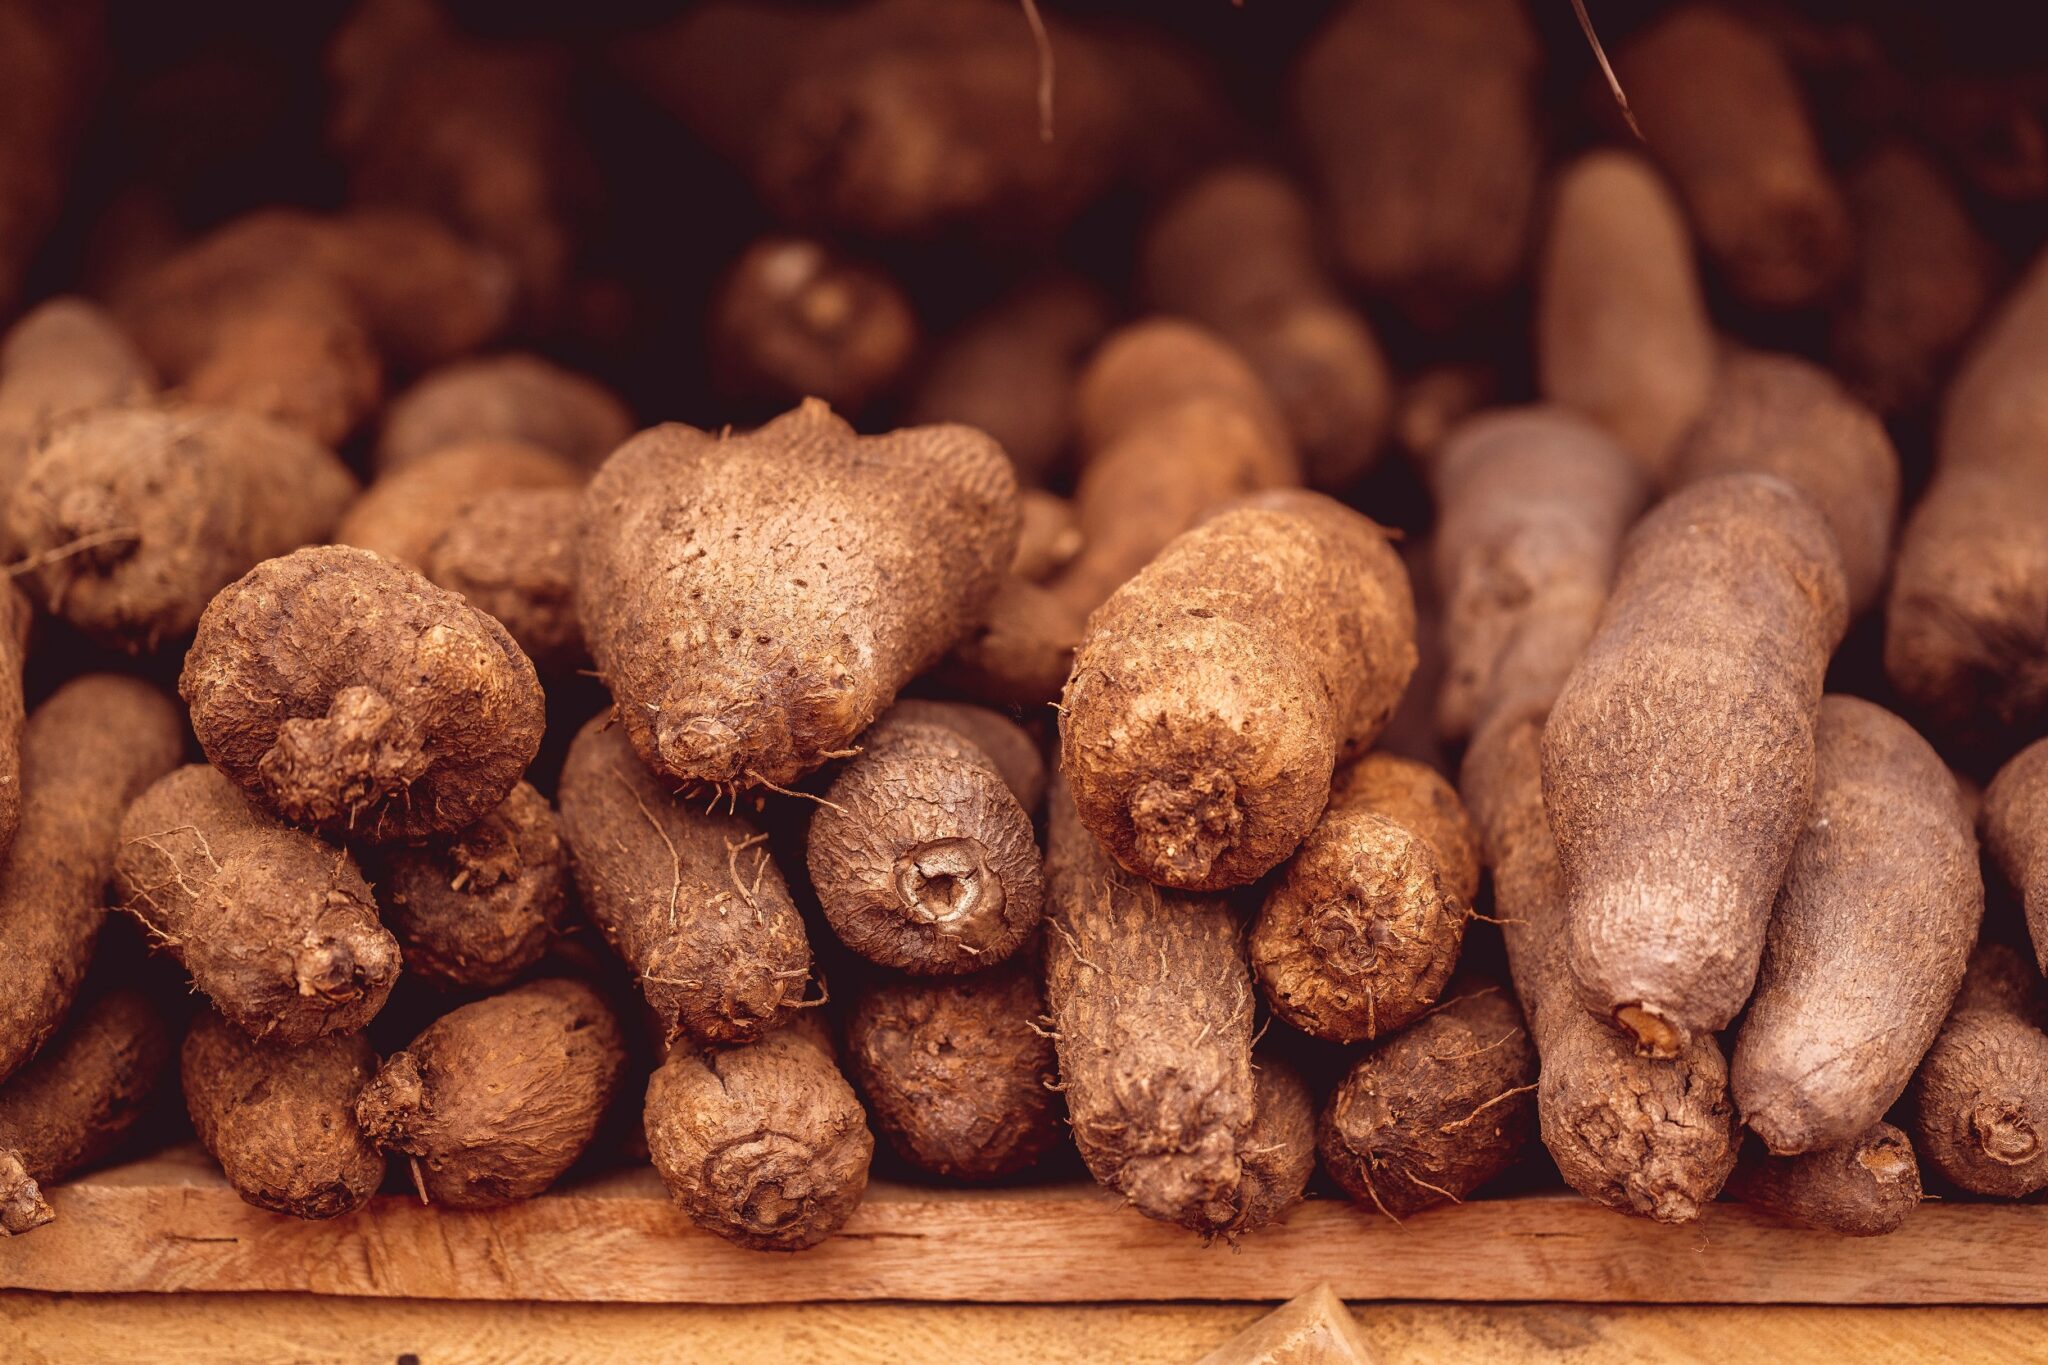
<point x="796" y="319"/>
<point x="496" y="1099"/>
<point x="277" y="928"/>
<point x="920" y="855"/>
<point x="1006" y="743"/>
<point x="1049" y="537"/>
<point x="282" y="1120"/>
<point x="16" y="618"/>
<point x="405" y="510"/>
<point x="85" y="753"/>
<point x="63" y="358"/>
<point x="1437" y="402"/>
<point x="1865" y="1187"/>
<point x="1869" y="939"/>
<point x="512" y="553"/>
<point x="510" y="397"/>
<point x="1678" y="761"/>
<point x="1980" y="1099"/>
<point x="1215" y="693"/>
<point x="755" y="601"/>
<point x="2016" y="833"/>
<point x="765" y="1145"/>
<point x="1280" y="1150"/>
<point x="1021" y="653"/>
<point x="688" y="898"/>
<point x="347" y="693"/>
<point x="1361" y="930"/>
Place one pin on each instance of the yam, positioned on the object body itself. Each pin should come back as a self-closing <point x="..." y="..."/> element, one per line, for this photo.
<point x="513" y="397"/>
<point x="512" y="553"/>
<point x="1866" y="1187"/>
<point x="406" y="510"/>
<point x="2016" y="834"/>
<point x="63" y="358"/>
<point x="1980" y="1098"/>
<point x="794" y="319"/>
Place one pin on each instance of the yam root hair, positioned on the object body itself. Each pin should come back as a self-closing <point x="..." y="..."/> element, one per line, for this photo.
<point x="1865" y="1187"/>
<point x="1721" y="110"/>
<point x="1215" y="693"/>
<point x="689" y="898"/>
<point x="278" y="929"/>
<point x="64" y="357"/>
<point x="1150" y="999"/>
<point x="1280" y="1149"/>
<point x="1779" y="414"/>
<point x="1021" y="653"/>
<point x="1678" y="761"/>
<point x="129" y="520"/>
<point x="1437" y="1110"/>
<point x="765" y="1144"/>
<point x="1533" y="504"/>
<point x="347" y="693"/>
<point x="957" y="1073"/>
<point x="920" y="855"/>
<point x="1869" y="938"/>
<point x="1645" y="1136"/>
<point x="1966" y="628"/>
<point x="281" y="1120"/>
<point x="1236" y="251"/>
<point x="843" y="567"/>
<point x="1980" y="1099"/>
<point x="2016" y="833"/>
<point x="1361" y="930"/>
<point x="1420" y="122"/>
<point x="508" y="397"/>
<point x="1622" y="331"/>
<point x="1005" y="742"/>
<point x="512" y="554"/>
<point x="406" y="510"/>
<point x="497" y="1098"/>
<point x="794" y="318"/>
<point x="78" y="1100"/>
<point x="85" y="753"/>
<point x="473" y="909"/>
<point x="1173" y="425"/>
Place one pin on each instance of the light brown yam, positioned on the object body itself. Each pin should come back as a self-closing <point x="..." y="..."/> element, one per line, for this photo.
<point x="1022" y="652"/>
<point x="512" y="554"/>
<point x="509" y="397"/>
<point x="1007" y="744"/>
<point x="1050" y="536"/>
<point x="62" y="358"/>
<point x="1865" y="1187"/>
<point x="407" y="509"/>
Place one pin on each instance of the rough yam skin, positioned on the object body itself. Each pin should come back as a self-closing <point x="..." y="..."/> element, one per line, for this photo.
<point x="1004" y="742"/>
<point x="16" y="618"/>
<point x="137" y="516"/>
<point x="277" y="928"/>
<point x="1622" y="331"/>
<point x="1150" y="998"/>
<point x="1966" y="629"/>
<point x="1643" y="1136"/>
<point x="1869" y="938"/>
<point x="795" y="319"/>
<point x="406" y="510"/>
<point x="512" y="553"/>
<point x="921" y="857"/>
<point x="1362" y="929"/>
<point x="754" y="602"/>
<point x="1678" y="761"/>
<point x="1779" y="414"/>
<point x="1722" y="112"/>
<point x="1866" y="1187"/>
<point x="76" y="1103"/>
<point x="1980" y="1098"/>
<point x="1420" y="120"/>
<point x="63" y="358"/>
<point x="1215" y="693"/>
<point x="474" y="909"/>
<point x="347" y="693"/>
<point x="1237" y="251"/>
<point x="1533" y="504"/>
<point x="2016" y="833"/>
<point x="1436" y="1111"/>
<point x="85" y="753"/>
<point x="511" y="397"/>
<point x="282" y="1120"/>
<point x="1280" y="1150"/>
<point x="957" y="1073"/>
<point x="1021" y="653"/>
<point x="496" y="1099"/>
<point x="688" y="898"/>
<point x="765" y="1145"/>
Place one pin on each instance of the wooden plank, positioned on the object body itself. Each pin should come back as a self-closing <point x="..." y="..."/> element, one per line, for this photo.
<point x="171" y="1224"/>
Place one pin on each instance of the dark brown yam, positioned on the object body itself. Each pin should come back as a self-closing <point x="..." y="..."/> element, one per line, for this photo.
<point x="796" y="319"/>
<point x="16" y="619"/>
<point x="2016" y="834"/>
<point x="1021" y="653"/>
<point x="1866" y="1187"/>
<point x="511" y="397"/>
<point x="1280" y="1150"/>
<point x="1980" y="1099"/>
<point x="512" y="554"/>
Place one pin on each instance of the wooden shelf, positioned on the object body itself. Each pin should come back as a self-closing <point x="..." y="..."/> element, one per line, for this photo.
<point x="171" y="1224"/>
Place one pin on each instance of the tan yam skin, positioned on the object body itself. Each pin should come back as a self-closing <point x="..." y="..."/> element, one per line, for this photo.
<point x="1050" y="538"/>
<point x="755" y="601"/>
<point x="1006" y="744"/>
<point x="17" y="618"/>
<point x="509" y="397"/>
<point x="1678" y="762"/>
<point x="1150" y="999"/>
<point x="406" y="510"/>
<point x="1865" y="1187"/>
<point x="2016" y="834"/>
<point x="1360" y="932"/>
<point x="87" y="751"/>
<point x="1979" y="1102"/>
<point x="276" y="927"/>
<point x="1215" y="693"/>
<point x="62" y="358"/>
<point x="794" y="319"/>
<point x="1869" y="938"/>
<point x="1722" y="113"/>
<point x="1779" y="414"/>
<point x="512" y="554"/>
<point x="1622" y="332"/>
<point x="1021" y="653"/>
<point x="1280" y="1152"/>
<point x="1532" y="504"/>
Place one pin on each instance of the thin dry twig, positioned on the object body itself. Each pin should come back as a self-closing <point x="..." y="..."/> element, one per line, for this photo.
<point x="1607" y="69"/>
<point x="1042" y="38"/>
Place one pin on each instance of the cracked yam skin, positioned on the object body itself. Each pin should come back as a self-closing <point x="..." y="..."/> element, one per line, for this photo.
<point x="689" y="898"/>
<point x="2016" y="832"/>
<point x="497" y="1098"/>
<point x="282" y="1120"/>
<point x="1980" y="1099"/>
<point x="1644" y="1136"/>
<point x="85" y="754"/>
<point x="755" y="601"/>
<point x="276" y="927"/>
<point x="1215" y="693"/>
<point x="1866" y="1187"/>
<point x="765" y="1145"/>
<point x="348" y="694"/>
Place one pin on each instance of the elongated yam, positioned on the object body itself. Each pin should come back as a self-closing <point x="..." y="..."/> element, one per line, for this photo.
<point x="510" y="397"/>
<point x="796" y="319"/>
<point x="512" y="554"/>
<point x="1865" y="1187"/>
<point x="406" y="510"/>
<point x="2016" y="834"/>
<point x="1980" y="1098"/>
